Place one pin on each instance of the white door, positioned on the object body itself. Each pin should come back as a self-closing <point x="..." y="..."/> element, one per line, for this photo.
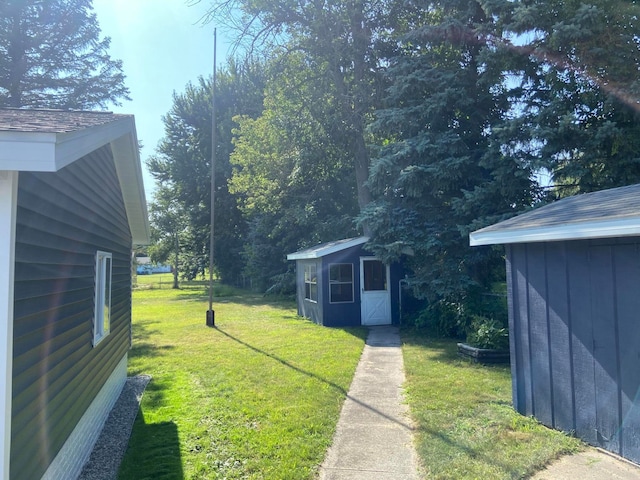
<point x="375" y="294"/>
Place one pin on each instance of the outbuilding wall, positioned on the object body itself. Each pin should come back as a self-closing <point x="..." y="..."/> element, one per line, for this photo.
<point x="574" y="310"/>
<point x="307" y="308"/>
<point x="63" y="218"/>
<point x="342" y="314"/>
<point x="346" y="314"/>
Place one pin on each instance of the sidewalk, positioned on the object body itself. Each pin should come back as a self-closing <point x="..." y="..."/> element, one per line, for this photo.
<point x="374" y="436"/>
<point x="591" y="464"/>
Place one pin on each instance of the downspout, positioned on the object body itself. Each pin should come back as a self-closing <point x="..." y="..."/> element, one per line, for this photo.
<point x="404" y="280"/>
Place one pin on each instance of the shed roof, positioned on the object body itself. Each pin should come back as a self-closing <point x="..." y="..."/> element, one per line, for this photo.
<point x="324" y="249"/>
<point x="607" y="213"/>
<point x="41" y="140"/>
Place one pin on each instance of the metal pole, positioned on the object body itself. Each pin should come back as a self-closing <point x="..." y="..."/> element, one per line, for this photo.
<point x="210" y="313"/>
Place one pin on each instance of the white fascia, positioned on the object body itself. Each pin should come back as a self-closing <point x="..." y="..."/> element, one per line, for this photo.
<point x="312" y="253"/>
<point x="49" y="152"/>
<point x="125" y="149"/>
<point x="8" y="208"/>
<point x="627" y="227"/>
<point x="27" y="151"/>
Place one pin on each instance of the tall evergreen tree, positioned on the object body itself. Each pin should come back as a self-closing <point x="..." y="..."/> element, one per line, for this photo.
<point x="51" y="55"/>
<point x="441" y="169"/>
<point x="582" y="101"/>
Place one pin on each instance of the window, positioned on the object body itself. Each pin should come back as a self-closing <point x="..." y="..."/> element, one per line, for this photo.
<point x="340" y="283"/>
<point x="310" y="283"/>
<point x="375" y="275"/>
<point x="102" y="311"/>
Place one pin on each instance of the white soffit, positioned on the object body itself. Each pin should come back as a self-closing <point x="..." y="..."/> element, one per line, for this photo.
<point x="50" y="151"/>
<point x="29" y="151"/>
<point x="627" y="227"/>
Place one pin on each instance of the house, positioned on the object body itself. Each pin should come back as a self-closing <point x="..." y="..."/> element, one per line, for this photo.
<point x="72" y="205"/>
<point x="145" y="267"/>
<point x="573" y="279"/>
<point x="340" y="284"/>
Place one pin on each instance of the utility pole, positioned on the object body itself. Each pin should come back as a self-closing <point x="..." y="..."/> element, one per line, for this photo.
<point x="211" y="322"/>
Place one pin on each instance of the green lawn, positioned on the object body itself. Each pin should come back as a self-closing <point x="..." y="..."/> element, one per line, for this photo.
<point x="467" y="428"/>
<point x="258" y="397"/>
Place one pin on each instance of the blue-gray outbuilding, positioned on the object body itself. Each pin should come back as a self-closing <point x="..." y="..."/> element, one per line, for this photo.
<point x="573" y="280"/>
<point x="340" y="284"/>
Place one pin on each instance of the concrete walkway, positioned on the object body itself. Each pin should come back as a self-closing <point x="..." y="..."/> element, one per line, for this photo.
<point x="591" y="464"/>
<point x="374" y="437"/>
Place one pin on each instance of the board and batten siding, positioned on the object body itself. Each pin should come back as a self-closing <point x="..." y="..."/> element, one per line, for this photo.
<point x="63" y="218"/>
<point x="575" y="328"/>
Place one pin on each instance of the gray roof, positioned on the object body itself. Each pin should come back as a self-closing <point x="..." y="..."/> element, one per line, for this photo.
<point x="324" y="249"/>
<point x="607" y="213"/>
<point x="52" y="121"/>
<point x="39" y="140"/>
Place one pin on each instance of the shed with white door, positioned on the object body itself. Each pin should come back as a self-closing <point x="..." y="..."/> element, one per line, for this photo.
<point x="340" y="284"/>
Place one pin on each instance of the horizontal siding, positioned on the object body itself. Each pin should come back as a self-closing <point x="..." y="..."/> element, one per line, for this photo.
<point x="63" y="219"/>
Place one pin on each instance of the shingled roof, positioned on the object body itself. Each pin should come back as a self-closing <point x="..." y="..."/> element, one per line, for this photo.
<point x="52" y="121"/>
<point x="607" y="213"/>
<point x="39" y="140"/>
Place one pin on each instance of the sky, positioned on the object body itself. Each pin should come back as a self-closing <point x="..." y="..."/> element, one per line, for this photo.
<point x="163" y="46"/>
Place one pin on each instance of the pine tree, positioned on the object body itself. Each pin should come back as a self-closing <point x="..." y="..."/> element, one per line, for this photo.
<point x="441" y="170"/>
<point x="51" y="55"/>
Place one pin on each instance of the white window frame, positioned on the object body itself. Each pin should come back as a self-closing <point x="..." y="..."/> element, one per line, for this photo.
<point x="338" y="282"/>
<point x="311" y="279"/>
<point x="102" y="295"/>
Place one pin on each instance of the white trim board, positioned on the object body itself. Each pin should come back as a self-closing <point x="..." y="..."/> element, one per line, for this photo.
<point x="8" y="208"/>
<point x="327" y="249"/>
<point x="628" y="227"/>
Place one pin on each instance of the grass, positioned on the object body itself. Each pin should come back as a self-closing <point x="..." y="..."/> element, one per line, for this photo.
<point x="467" y="428"/>
<point x="257" y="397"/>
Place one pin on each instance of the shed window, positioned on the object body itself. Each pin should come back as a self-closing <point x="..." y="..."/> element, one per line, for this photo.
<point x="102" y="311"/>
<point x="310" y="283"/>
<point x="341" y="283"/>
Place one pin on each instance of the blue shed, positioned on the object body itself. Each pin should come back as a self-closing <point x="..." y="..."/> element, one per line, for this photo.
<point x="341" y="284"/>
<point x="573" y="277"/>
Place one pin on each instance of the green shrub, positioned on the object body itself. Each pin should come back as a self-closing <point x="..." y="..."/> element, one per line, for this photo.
<point x="488" y="333"/>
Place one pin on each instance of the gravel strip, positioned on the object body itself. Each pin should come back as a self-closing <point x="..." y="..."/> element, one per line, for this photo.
<point x="113" y="441"/>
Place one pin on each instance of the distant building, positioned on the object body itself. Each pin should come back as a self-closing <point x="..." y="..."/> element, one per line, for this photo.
<point x="145" y="267"/>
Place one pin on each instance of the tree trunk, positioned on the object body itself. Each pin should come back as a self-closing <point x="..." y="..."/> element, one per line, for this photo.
<point x="175" y="268"/>
<point x="361" y="160"/>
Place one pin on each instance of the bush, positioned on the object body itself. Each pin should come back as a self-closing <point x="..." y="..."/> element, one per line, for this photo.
<point x="442" y="319"/>
<point x="488" y="333"/>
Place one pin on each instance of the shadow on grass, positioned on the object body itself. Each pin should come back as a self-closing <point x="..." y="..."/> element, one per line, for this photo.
<point x="142" y="347"/>
<point x="153" y="453"/>
<point x="511" y="471"/>
<point x="316" y="376"/>
<point x="198" y="291"/>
